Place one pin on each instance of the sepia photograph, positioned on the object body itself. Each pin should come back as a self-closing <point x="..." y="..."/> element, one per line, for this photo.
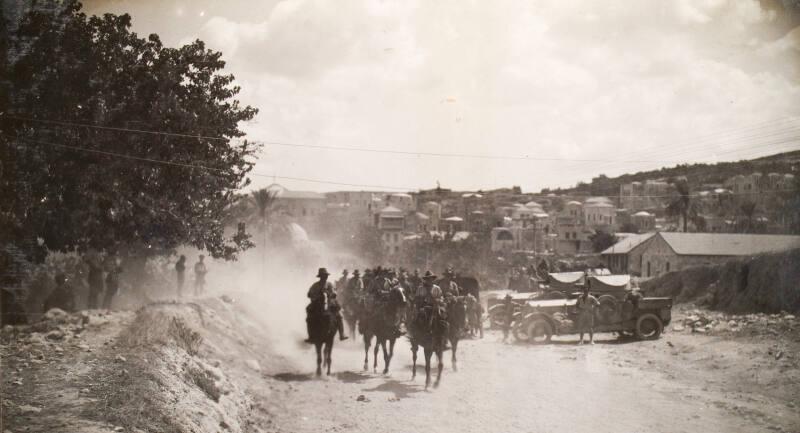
<point x="472" y="216"/>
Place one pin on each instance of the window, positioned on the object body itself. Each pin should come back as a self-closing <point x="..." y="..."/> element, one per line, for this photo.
<point x="648" y="269"/>
<point x="396" y="249"/>
<point x="667" y="266"/>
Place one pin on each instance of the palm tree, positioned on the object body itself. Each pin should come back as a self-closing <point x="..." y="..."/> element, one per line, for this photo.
<point x="263" y="200"/>
<point x="682" y="205"/>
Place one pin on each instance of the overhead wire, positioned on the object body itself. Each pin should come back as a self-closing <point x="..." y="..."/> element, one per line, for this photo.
<point x="212" y="169"/>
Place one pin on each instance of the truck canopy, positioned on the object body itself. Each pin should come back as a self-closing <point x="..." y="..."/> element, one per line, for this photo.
<point x="609" y="283"/>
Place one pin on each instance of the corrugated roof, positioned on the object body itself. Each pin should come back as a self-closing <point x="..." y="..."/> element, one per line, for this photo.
<point x="727" y="244"/>
<point x="626" y="245"/>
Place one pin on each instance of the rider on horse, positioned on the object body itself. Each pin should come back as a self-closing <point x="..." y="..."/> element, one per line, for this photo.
<point x="323" y="297"/>
<point x="449" y="286"/>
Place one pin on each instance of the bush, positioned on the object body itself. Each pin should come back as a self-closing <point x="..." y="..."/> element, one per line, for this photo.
<point x="186" y="338"/>
<point x="205" y="381"/>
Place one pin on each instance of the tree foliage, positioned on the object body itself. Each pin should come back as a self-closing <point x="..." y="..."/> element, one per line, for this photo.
<point x="682" y="205"/>
<point x="75" y="187"/>
<point x="602" y="240"/>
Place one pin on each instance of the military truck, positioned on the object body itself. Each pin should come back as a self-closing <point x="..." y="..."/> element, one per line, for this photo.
<point x="538" y="320"/>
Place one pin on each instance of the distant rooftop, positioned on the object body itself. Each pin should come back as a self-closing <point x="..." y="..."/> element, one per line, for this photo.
<point x="628" y="243"/>
<point x="728" y="244"/>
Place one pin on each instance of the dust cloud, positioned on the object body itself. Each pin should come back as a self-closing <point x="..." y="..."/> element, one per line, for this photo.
<point x="271" y="282"/>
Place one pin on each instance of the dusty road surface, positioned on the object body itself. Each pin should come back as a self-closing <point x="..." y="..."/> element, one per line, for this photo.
<point x="609" y="387"/>
<point x="124" y="371"/>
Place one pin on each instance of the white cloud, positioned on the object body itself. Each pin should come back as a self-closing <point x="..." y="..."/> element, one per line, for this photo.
<point x="563" y="78"/>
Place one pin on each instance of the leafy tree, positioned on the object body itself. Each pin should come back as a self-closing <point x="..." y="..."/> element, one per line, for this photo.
<point x="102" y="187"/>
<point x="629" y="228"/>
<point x="602" y="240"/>
<point x="682" y="204"/>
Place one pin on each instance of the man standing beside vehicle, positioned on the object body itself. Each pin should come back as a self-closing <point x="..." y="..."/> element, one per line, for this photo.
<point x="508" y="315"/>
<point x="586" y="305"/>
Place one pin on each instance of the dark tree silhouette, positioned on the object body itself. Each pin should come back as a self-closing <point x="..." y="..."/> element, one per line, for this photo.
<point x="73" y="187"/>
<point x="682" y="205"/>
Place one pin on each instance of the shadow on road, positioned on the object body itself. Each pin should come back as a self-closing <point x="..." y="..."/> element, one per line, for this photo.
<point x="399" y="389"/>
<point x="351" y="377"/>
<point x="293" y="377"/>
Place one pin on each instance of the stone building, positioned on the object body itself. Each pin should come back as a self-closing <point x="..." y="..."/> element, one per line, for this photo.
<point x="674" y="251"/>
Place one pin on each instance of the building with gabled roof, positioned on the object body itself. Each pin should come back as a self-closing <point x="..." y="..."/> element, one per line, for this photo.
<point x="624" y="257"/>
<point x="673" y="251"/>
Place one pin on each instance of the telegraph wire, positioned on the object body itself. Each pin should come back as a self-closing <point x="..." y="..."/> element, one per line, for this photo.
<point x="206" y="168"/>
<point x="695" y="143"/>
<point x="303" y="179"/>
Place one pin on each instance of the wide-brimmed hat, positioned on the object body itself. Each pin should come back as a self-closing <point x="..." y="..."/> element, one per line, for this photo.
<point x="323" y="271"/>
<point x="429" y="276"/>
<point x="356" y="272"/>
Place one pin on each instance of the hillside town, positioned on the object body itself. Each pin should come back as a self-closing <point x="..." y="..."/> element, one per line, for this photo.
<point x="744" y="215"/>
<point x="372" y="216"/>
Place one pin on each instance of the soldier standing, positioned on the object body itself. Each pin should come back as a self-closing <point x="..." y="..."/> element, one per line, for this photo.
<point x="112" y="285"/>
<point x="95" y="280"/>
<point x="586" y="305"/>
<point x="200" y="272"/>
<point x="508" y="315"/>
<point x="62" y="296"/>
<point x="180" y="269"/>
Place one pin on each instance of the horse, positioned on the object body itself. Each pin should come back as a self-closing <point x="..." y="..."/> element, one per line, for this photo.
<point x="429" y="329"/>
<point x="352" y="305"/>
<point x="456" y="320"/>
<point x="474" y="317"/>
<point x="381" y="322"/>
<point x="323" y="330"/>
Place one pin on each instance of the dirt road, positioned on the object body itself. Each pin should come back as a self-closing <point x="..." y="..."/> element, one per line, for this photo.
<point x="609" y="387"/>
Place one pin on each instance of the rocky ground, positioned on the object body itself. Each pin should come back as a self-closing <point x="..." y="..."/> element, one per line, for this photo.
<point x="215" y="366"/>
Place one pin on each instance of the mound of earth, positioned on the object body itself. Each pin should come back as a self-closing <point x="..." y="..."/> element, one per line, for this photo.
<point x="168" y="367"/>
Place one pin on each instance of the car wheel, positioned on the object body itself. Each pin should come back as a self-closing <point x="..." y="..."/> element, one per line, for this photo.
<point x="497" y="317"/>
<point x="607" y="310"/>
<point x="648" y="327"/>
<point x="539" y="331"/>
<point x="520" y="333"/>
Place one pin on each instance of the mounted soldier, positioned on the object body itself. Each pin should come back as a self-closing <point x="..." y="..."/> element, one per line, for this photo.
<point x="448" y="285"/>
<point x="341" y="283"/>
<point x="323" y="298"/>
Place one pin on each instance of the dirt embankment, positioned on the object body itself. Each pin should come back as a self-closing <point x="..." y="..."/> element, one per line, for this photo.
<point x="764" y="284"/>
<point x="168" y="367"/>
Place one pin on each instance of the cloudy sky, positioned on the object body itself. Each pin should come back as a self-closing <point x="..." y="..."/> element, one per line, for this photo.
<point x="533" y="93"/>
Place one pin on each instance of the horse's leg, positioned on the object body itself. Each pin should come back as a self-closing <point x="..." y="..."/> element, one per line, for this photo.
<point x="391" y="353"/>
<point x="428" y="353"/>
<point x="439" y="357"/>
<point x="386" y="357"/>
<point x="414" y="349"/>
<point x="367" y="342"/>
<point x="375" y="354"/>
<point x="328" y="351"/>
<point x="318" y="346"/>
